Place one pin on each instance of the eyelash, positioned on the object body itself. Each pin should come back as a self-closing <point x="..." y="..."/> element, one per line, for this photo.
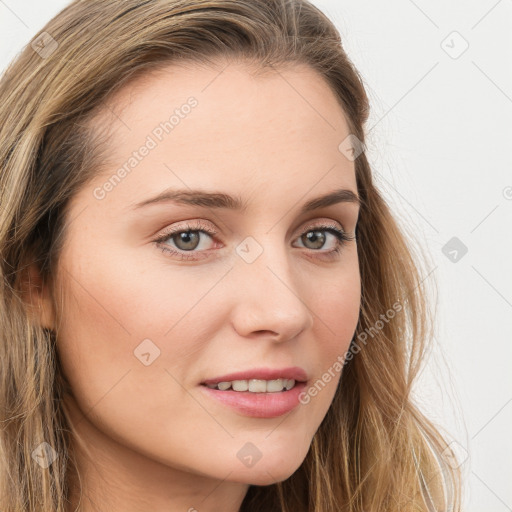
<point x="341" y="236"/>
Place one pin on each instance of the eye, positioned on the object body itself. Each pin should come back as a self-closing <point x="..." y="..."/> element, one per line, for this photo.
<point x="187" y="239"/>
<point x="315" y="236"/>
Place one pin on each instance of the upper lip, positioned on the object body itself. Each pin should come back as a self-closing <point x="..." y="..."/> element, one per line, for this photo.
<point x="292" y="372"/>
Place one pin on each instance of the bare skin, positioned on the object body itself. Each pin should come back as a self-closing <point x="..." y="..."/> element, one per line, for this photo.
<point x="154" y="440"/>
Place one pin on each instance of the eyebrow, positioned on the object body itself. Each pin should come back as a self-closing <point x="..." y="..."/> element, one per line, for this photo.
<point x="222" y="200"/>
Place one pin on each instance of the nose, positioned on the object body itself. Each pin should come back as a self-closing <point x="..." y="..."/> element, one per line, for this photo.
<point x="268" y="301"/>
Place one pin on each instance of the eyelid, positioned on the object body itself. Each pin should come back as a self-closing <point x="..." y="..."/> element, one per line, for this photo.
<point x="194" y="225"/>
<point x="199" y="226"/>
<point x="322" y="223"/>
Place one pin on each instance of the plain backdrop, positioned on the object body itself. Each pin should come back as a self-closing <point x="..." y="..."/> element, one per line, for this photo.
<point x="439" y="78"/>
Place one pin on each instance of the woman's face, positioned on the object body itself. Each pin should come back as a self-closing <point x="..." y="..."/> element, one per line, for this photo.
<point x="146" y="323"/>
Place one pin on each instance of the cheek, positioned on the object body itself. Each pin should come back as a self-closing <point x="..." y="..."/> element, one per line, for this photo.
<point x="120" y="314"/>
<point x="337" y="306"/>
<point x="337" y="313"/>
<point x="102" y="325"/>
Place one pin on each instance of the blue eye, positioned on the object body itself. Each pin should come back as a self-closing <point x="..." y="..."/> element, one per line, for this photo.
<point x="187" y="239"/>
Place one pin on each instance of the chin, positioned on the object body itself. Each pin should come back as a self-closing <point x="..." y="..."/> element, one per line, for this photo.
<point x="264" y="474"/>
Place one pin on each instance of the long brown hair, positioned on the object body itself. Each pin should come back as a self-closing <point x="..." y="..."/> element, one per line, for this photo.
<point x="374" y="449"/>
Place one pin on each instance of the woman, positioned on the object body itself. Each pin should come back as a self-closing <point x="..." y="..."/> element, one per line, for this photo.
<point x="206" y="303"/>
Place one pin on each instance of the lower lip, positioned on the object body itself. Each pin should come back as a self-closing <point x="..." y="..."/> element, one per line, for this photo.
<point x="259" y="405"/>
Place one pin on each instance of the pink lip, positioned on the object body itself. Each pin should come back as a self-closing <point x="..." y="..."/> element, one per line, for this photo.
<point x="258" y="405"/>
<point x="292" y="372"/>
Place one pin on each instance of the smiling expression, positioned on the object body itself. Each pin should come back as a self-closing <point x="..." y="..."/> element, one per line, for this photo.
<point x="234" y="267"/>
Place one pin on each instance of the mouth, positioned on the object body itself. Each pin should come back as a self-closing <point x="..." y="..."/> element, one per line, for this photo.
<point x="255" y="385"/>
<point x="256" y="398"/>
<point x="259" y="380"/>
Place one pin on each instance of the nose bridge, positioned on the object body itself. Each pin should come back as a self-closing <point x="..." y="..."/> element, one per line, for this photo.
<point x="268" y="297"/>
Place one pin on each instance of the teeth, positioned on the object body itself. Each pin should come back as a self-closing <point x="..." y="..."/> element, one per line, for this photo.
<point x="240" y="385"/>
<point x="274" y="385"/>
<point x="256" y="385"/>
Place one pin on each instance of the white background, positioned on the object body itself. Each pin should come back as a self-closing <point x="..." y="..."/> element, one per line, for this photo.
<point x="439" y="140"/>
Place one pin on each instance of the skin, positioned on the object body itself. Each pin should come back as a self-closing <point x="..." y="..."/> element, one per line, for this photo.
<point x="152" y="439"/>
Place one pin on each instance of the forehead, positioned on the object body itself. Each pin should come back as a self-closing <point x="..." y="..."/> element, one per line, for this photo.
<point x="248" y="127"/>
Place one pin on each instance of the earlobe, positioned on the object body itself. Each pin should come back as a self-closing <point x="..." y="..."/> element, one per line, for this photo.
<point x="37" y="298"/>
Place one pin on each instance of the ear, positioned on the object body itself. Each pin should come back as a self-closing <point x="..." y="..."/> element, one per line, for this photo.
<point x="37" y="297"/>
